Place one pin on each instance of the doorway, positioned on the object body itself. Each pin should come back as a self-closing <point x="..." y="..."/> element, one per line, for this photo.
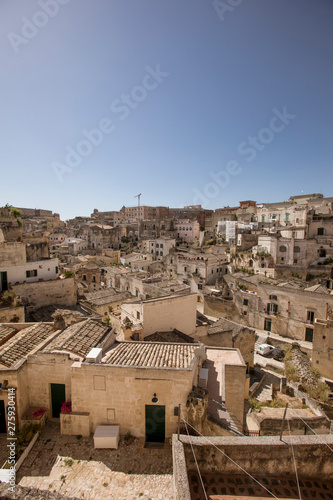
<point x="3" y="281"/>
<point x="268" y="325"/>
<point x="57" y="398"/>
<point x="3" y="427"/>
<point x="155" y="424"/>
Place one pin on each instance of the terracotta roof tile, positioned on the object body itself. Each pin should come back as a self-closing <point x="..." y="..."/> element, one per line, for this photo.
<point x="151" y="355"/>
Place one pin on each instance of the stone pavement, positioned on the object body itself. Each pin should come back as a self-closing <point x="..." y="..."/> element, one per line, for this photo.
<point x="93" y="480"/>
<point x="71" y="466"/>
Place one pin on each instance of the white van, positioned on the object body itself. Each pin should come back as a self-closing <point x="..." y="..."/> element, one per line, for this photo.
<point x="264" y="349"/>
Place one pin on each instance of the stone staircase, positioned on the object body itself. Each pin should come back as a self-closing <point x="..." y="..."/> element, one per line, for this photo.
<point x="218" y="412"/>
<point x="265" y="391"/>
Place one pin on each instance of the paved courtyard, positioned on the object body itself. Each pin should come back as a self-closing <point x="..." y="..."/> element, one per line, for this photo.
<point x="70" y="465"/>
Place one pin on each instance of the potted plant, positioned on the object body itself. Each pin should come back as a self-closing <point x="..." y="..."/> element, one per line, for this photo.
<point x="128" y="438"/>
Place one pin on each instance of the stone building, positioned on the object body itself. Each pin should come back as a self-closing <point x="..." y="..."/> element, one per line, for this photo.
<point x="160" y="247"/>
<point x="26" y="263"/>
<point x="286" y="307"/>
<point x="322" y="350"/>
<point x="136" y="385"/>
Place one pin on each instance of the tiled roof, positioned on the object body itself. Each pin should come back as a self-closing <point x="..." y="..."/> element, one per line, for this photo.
<point x="151" y="355"/>
<point x="173" y="336"/>
<point x="46" y="313"/>
<point x="80" y="338"/>
<point x="24" y="342"/>
<point x="225" y="325"/>
<point x="5" y="331"/>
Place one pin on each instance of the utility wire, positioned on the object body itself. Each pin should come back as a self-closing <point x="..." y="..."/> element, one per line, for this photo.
<point x="203" y="487"/>
<point x="233" y="461"/>
<point x="314" y="432"/>
<point x="292" y="450"/>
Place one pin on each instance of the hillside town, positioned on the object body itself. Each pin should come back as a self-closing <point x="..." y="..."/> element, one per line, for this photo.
<point x="137" y="344"/>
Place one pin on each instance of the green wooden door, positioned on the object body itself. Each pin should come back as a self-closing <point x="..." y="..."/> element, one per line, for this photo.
<point x="2" y="417"/>
<point x="3" y="281"/>
<point x="57" y="398"/>
<point x="268" y="325"/>
<point x="155" y="424"/>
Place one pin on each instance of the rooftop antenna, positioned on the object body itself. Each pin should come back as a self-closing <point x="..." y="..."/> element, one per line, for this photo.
<point x="138" y="197"/>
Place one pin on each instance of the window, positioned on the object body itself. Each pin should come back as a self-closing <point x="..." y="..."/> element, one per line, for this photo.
<point x="185" y="269"/>
<point x="309" y="335"/>
<point x="161" y="245"/>
<point x="137" y="315"/>
<point x="287" y="217"/>
<point x="57" y="269"/>
<point x="272" y="297"/>
<point x="310" y="317"/>
<point x="212" y="271"/>
<point x="272" y="308"/>
<point x="84" y="277"/>
<point x="283" y="248"/>
<point x="320" y="231"/>
<point x="297" y="249"/>
<point x="262" y="218"/>
<point x="245" y="302"/>
<point x="295" y="261"/>
<point x="156" y="252"/>
<point x="199" y="286"/>
<point x="31" y="274"/>
<point x="161" y="254"/>
<point x="94" y="279"/>
<point x="157" y="245"/>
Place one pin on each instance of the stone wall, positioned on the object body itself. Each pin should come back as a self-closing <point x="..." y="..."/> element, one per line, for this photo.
<point x="35" y="295"/>
<point x="37" y="249"/>
<point x="44" y="369"/>
<point x="12" y="254"/>
<point x="262" y="456"/>
<point x="12" y="315"/>
<point x="322" y="354"/>
<point x="75" y="423"/>
<point x="221" y="308"/>
<point x="270" y="421"/>
<point x="19" y="380"/>
<point x="115" y="395"/>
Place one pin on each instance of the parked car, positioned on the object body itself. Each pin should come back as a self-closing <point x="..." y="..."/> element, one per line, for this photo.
<point x="278" y="354"/>
<point x="264" y="349"/>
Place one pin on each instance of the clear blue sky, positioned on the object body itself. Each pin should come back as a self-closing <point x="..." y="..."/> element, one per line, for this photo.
<point x="223" y="70"/>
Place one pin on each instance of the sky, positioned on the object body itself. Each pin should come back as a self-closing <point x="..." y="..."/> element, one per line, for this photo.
<point x="185" y="101"/>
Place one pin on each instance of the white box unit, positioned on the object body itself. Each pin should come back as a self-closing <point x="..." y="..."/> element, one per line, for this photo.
<point x="94" y="356"/>
<point x="106" y="436"/>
